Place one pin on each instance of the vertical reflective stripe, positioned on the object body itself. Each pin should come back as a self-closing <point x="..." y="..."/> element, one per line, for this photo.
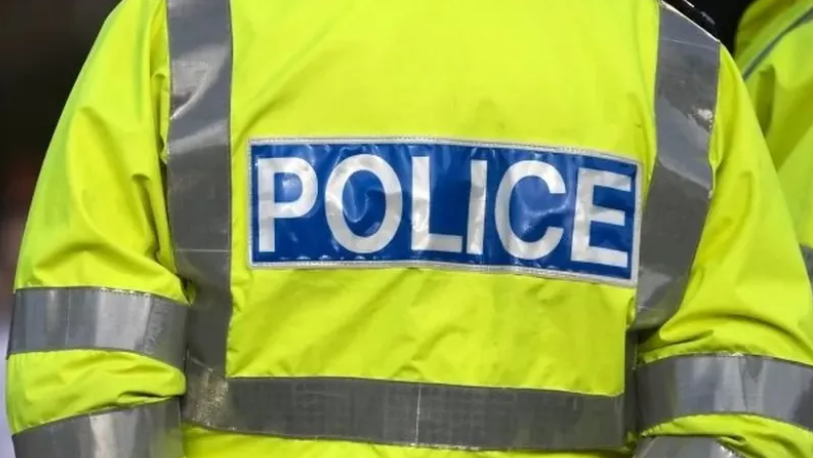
<point x="725" y="384"/>
<point x="804" y="19"/>
<point x="630" y="384"/>
<point x="683" y="447"/>
<point x="807" y="255"/>
<point x="147" y="431"/>
<point x="55" y="319"/>
<point x="681" y="186"/>
<point x="199" y="166"/>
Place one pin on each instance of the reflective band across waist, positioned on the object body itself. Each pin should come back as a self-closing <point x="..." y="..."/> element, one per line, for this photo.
<point x="683" y="447"/>
<point x="148" y="431"/>
<point x="54" y="319"/>
<point x="402" y="413"/>
<point x="708" y="384"/>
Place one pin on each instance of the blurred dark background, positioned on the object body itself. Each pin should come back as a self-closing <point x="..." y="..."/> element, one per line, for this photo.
<point x="43" y="44"/>
<point x="726" y="15"/>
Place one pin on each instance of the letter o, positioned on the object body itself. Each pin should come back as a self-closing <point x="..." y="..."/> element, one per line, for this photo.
<point x="334" y="203"/>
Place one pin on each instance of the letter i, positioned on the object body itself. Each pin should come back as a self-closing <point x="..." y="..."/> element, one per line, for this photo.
<point x="477" y="208"/>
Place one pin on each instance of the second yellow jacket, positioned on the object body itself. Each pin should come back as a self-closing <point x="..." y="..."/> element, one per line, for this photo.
<point x="775" y="52"/>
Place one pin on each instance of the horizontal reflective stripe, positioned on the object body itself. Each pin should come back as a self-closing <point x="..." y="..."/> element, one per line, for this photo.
<point x="737" y="384"/>
<point x="807" y="255"/>
<point x="148" y="431"/>
<point x="407" y="414"/>
<point x="54" y="319"/>
<point x="683" y="447"/>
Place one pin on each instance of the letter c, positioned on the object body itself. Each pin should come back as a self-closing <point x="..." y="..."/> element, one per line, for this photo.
<point x="510" y="241"/>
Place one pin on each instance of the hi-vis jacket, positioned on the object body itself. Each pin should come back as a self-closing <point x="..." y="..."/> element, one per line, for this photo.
<point x="421" y="230"/>
<point x="775" y="52"/>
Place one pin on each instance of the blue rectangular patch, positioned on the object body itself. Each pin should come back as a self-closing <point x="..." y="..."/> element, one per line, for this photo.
<point x="376" y="203"/>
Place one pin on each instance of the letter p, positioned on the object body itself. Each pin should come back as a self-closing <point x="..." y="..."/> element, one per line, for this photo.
<point x="269" y="209"/>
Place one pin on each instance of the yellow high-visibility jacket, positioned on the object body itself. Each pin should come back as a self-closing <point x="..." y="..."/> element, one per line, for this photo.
<point x="409" y="229"/>
<point x="775" y="52"/>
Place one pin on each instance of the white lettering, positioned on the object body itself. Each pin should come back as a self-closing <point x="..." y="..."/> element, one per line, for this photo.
<point x="587" y="213"/>
<point x="511" y="242"/>
<point x="334" y="203"/>
<point x="422" y="238"/>
<point x="269" y="210"/>
<point x="477" y="208"/>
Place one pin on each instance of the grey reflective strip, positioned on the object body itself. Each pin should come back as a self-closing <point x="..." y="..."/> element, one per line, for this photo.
<point x="199" y="166"/>
<point x="54" y="319"/>
<point x="681" y="186"/>
<point x="148" y="431"/>
<point x="805" y="18"/>
<point x="807" y="255"/>
<point x="683" y="447"/>
<point x="630" y="383"/>
<point x="401" y="413"/>
<point x="725" y="384"/>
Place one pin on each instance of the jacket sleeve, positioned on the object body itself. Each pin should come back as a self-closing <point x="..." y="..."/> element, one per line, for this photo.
<point x="97" y="341"/>
<point x="780" y="85"/>
<point x="729" y="373"/>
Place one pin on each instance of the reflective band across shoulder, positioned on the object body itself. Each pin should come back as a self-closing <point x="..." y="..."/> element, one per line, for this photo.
<point x="683" y="447"/>
<point x="199" y="166"/>
<point x="54" y="319"/>
<point x="402" y="413"/>
<point x="147" y="431"/>
<point x="681" y="186"/>
<point x="741" y="384"/>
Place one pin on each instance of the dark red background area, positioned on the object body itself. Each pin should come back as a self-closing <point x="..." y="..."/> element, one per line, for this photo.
<point x="43" y="44"/>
